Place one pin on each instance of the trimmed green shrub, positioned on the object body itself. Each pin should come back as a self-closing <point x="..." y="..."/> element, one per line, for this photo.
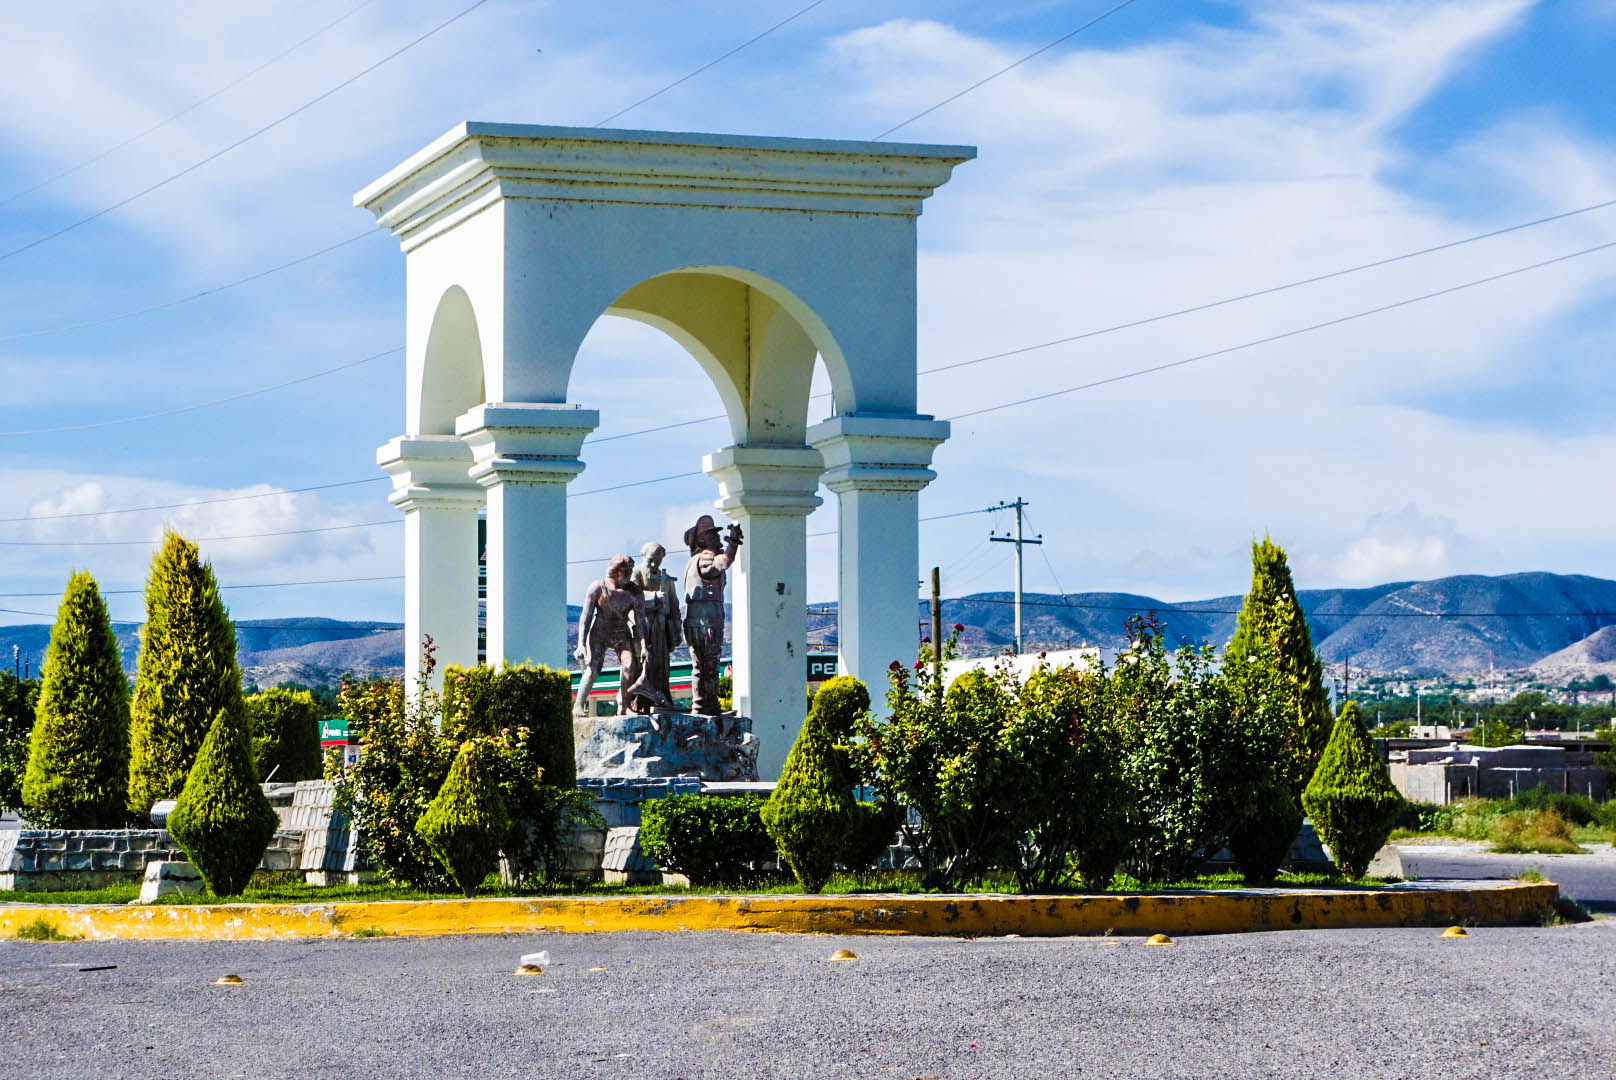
<point x="875" y="827"/>
<point x="222" y="819"/>
<point x="78" y="755"/>
<point x="812" y="815"/>
<point x="185" y="674"/>
<point x="485" y="701"/>
<point x="1262" y="840"/>
<point x="17" y="698"/>
<point x="285" y="727"/>
<point x="840" y="701"/>
<point x="1351" y="800"/>
<point x="1271" y="627"/>
<point x="711" y="839"/>
<point x="527" y="712"/>
<point x="467" y="822"/>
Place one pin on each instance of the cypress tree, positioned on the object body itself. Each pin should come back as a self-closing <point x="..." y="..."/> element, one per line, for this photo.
<point x="1351" y="800"/>
<point x="285" y="726"/>
<point x="468" y="821"/>
<point x="222" y="819"/>
<point x="1271" y="622"/>
<point x="811" y="816"/>
<point x="78" y="755"/>
<point x="186" y="672"/>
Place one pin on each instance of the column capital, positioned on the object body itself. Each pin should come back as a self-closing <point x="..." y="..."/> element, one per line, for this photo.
<point x="878" y="452"/>
<point x="525" y="442"/>
<point x="758" y="481"/>
<point x="429" y="472"/>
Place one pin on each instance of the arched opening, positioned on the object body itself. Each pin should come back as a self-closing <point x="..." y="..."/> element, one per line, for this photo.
<point x="451" y="376"/>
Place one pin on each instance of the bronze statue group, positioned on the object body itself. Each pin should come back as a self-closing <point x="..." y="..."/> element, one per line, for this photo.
<point x="641" y="615"/>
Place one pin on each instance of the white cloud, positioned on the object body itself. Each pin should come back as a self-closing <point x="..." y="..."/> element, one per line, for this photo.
<point x="1399" y="545"/>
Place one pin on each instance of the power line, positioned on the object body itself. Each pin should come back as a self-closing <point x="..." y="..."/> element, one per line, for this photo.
<point x="195" y="502"/>
<point x="199" y="539"/>
<point x="135" y="591"/>
<point x="148" y="309"/>
<point x="349" y="365"/>
<point x="1011" y="67"/>
<point x="711" y="63"/>
<point x="1287" y="334"/>
<point x="198" y="103"/>
<point x="104" y="211"/>
<point x="1168" y="609"/>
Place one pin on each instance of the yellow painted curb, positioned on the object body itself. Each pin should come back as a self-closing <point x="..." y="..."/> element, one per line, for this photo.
<point x="1170" y="913"/>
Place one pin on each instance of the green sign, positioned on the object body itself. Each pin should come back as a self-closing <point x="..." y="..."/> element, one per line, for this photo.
<point x="821" y="667"/>
<point x="334" y="730"/>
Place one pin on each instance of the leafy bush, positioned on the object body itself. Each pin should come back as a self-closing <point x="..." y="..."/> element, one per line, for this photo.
<point x="222" y="819"/>
<point x="467" y="823"/>
<point x="1350" y="799"/>
<point x="1576" y="809"/>
<point x="1496" y="733"/>
<point x="285" y="726"/>
<point x="17" y="698"/>
<point x="875" y="827"/>
<point x="186" y="673"/>
<point x="526" y="712"/>
<point x="711" y="839"/>
<point x="811" y="816"/>
<point x="1543" y="831"/>
<point x="1198" y="748"/>
<point x="78" y="756"/>
<point x="483" y="701"/>
<point x="841" y="701"/>
<point x="1421" y="817"/>
<point x="401" y="771"/>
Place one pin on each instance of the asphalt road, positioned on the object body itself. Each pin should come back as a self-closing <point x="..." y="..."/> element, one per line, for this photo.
<point x="1512" y="1002"/>
<point x="1589" y="878"/>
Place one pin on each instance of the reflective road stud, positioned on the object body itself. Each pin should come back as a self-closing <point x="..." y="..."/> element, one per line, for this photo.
<point x="1159" y="939"/>
<point x="1455" y="931"/>
<point x="227" y="980"/>
<point x="844" y="954"/>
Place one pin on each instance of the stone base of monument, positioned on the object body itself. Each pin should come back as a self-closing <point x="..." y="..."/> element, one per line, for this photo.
<point x="169" y="878"/>
<point x="665" y="743"/>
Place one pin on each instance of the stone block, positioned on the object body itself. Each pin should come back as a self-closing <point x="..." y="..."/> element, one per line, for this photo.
<point x="169" y="878"/>
<point x="107" y="860"/>
<point x="49" y="861"/>
<point x="78" y="860"/>
<point x="665" y="743"/>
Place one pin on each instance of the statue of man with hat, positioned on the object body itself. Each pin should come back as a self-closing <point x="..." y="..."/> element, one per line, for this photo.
<point x="710" y="560"/>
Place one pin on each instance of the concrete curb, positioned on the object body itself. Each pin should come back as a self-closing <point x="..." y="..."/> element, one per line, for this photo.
<point x="1224" y="912"/>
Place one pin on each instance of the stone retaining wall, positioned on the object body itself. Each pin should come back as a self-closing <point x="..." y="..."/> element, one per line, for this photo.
<point x="54" y="860"/>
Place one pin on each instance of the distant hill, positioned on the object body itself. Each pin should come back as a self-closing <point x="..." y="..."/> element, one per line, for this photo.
<point x="1511" y="621"/>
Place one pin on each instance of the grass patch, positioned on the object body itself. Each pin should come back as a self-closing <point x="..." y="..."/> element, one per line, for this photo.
<point x="1567" y="912"/>
<point x="1535" y="831"/>
<point x="42" y="929"/>
<point x="371" y="931"/>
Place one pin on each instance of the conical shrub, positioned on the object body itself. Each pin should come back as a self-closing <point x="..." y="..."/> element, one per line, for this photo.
<point x="185" y="674"/>
<point x="222" y="819"/>
<point x="468" y="821"/>
<point x="78" y="755"/>
<point x="811" y="816"/>
<point x="1351" y="800"/>
<point x="285" y="726"/>
<point x="1272" y="627"/>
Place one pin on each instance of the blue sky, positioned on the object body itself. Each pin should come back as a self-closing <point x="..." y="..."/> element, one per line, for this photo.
<point x="1175" y="154"/>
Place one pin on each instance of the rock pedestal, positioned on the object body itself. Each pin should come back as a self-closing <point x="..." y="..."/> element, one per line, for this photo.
<point x="169" y="878"/>
<point x="665" y="743"/>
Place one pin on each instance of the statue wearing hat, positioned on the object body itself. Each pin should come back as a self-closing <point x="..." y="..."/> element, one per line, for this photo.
<point x="612" y="619"/>
<point x="710" y="560"/>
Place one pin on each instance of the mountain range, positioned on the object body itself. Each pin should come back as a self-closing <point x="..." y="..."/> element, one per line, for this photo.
<point x="1451" y="625"/>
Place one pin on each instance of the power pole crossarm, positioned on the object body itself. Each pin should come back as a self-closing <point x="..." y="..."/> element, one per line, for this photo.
<point x="1020" y="541"/>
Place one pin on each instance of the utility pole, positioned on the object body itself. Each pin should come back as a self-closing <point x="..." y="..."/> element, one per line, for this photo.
<point x="937" y="633"/>
<point x="1019" y="540"/>
<point x="16" y="661"/>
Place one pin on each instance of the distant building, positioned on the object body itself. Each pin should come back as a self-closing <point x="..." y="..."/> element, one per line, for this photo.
<point x="1445" y="774"/>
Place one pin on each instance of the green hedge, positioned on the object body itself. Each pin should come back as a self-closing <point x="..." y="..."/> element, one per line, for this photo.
<point x="285" y="726"/>
<point x="711" y="839"/>
<point x="486" y="701"/>
<point x="1350" y="800"/>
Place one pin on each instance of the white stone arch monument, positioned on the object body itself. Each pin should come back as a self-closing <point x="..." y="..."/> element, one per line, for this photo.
<point x="757" y="255"/>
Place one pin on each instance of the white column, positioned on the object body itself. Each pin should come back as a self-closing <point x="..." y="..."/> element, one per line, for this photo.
<point x="440" y="505"/>
<point x="524" y="455"/>
<point x="877" y="466"/>
<point x="769" y="491"/>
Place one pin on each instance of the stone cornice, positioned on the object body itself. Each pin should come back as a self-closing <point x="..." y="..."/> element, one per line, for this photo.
<point x="475" y="165"/>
